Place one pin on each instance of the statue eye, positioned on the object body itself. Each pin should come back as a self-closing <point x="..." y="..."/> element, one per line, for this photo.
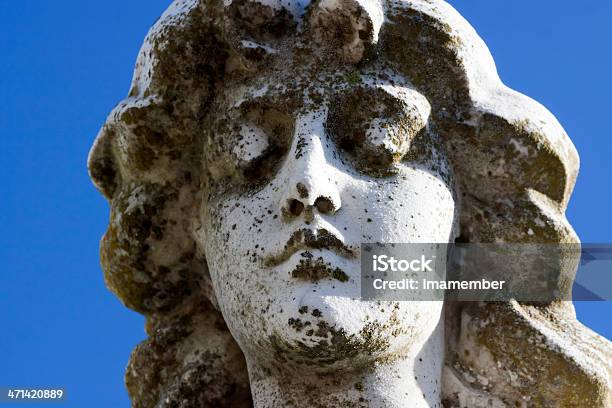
<point x="245" y="145"/>
<point x="373" y="129"/>
<point x="264" y="134"/>
<point x="252" y="142"/>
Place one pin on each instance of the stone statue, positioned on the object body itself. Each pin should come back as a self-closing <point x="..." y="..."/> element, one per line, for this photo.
<point x="262" y="142"/>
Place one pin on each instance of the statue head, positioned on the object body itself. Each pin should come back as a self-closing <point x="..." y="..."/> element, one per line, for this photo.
<point x="262" y="142"/>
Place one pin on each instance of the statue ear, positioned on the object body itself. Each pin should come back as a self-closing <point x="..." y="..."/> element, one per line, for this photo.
<point x="101" y="163"/>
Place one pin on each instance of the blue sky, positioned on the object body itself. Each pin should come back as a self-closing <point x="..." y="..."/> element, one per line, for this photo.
<point x="65" y="64"/>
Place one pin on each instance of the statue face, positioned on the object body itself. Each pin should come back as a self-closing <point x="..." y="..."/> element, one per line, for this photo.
<point x="300" y="176"/>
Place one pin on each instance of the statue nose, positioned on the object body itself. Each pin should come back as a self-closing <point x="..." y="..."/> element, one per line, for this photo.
<point x="311" y="188"/>
<point x="323" y="204"/>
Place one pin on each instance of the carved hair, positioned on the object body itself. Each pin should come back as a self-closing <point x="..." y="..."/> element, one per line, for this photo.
<point x="515" y="169"/>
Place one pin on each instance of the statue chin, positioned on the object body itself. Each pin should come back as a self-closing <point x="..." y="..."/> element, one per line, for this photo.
<point x="337" y="333"/>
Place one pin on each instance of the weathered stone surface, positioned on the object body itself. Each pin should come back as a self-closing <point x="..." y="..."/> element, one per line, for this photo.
<point x="261" y="142"/>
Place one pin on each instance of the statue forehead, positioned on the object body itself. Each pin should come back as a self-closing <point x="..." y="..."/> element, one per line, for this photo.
<point x="305" y="89"/>
<point x="295" y="7"/>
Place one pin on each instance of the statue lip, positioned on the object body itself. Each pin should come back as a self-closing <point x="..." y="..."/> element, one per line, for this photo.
<point x="303" y="239"/>
<point x="314" y="269"/>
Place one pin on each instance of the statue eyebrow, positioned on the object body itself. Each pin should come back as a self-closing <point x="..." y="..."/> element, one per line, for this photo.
<point x="283" y="102"/>
<point x="245" y="105"/>
<point x="250" y="94"/>
<point x="272" y="94"/>
<point x="264" y="101"/>
<point x="387" y="90"/>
